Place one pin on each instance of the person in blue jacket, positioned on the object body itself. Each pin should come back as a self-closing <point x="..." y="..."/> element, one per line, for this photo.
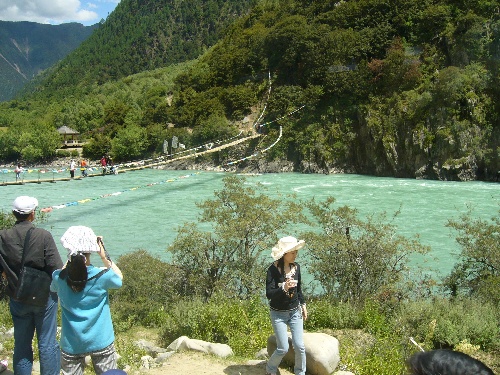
<point x="87" y="328"/>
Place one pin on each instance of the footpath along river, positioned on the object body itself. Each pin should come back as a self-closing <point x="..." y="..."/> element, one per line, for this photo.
<point x="143" y="209"/>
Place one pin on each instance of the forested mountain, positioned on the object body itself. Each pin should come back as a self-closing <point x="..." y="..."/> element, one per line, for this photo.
<point x="405" y="88"/>
<point x="142" y="35"/>
<point x="27" y="48"/>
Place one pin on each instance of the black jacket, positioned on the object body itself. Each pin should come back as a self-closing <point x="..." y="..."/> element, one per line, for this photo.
<point x="278" y="298"/>
<point x="42" y="253"/>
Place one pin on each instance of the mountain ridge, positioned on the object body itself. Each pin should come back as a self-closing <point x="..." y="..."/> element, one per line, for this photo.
<point x="28" y="48"/>
<point x="140" y="36"/>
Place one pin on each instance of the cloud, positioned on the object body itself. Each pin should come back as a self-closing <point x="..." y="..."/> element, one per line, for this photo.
<point x="47" y="11"/>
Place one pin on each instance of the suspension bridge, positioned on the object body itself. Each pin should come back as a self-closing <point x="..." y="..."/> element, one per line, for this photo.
<point x="194" y="152"/>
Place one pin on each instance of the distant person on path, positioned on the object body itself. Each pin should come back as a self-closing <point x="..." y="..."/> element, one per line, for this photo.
<point x="83" y="167"/>
<point x="19" y="169"/>
<point x="110" y="165"/>
<point x="87" y="328"/>
<point x="72" y="167"/>
<point x="287" y="304"/>
<point x="104" y="164"/>
<point x="27" y="318"/>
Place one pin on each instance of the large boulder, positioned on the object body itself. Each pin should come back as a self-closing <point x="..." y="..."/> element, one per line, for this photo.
<point x="322" y="352"/>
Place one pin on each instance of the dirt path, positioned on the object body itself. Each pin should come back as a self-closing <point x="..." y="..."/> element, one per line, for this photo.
<point x="193" y="363"/>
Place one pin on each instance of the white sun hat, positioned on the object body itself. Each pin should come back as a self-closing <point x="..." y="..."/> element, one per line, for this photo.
<point x="24" y="204"/>
<point x="80" y="239"/>
<point x="285" y="245"/>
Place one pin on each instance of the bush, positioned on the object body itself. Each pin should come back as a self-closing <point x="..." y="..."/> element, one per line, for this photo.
<point x="477" y="271"/>
<point x="149" y="285"/>
<point x="63" y="153"/>
<point x="324" y="314"/>
<point x="385" y="357"/>
<point x="374" y="320"/>
<point x="442" y="323"/>
<point x="130" y="354"/>
<point x="244" y="325"/>
<point x="355" y="259"/>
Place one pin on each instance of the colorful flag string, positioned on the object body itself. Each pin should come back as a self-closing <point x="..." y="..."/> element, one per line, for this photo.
<point x="87" y="200"/>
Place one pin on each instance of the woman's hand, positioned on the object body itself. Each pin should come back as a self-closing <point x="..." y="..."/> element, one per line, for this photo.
<point x="289" y="283"/>
<point x="102" y="251"/>
<point x="304" y="312"/>
<point x="106" y="259"/>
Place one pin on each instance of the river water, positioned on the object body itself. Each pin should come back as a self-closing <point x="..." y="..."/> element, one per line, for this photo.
<point x="142" y="209"/>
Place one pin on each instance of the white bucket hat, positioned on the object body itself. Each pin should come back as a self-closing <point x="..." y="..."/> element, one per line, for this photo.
<point x="285" y="245"/>
<point x="24" y="204"/>
<point x="80" y="239"/>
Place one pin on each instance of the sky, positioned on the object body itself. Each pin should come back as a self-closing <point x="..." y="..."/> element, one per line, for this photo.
<point x="56" y="12"/>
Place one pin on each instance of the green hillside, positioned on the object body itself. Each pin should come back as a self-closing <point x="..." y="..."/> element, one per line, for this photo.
<point x="388" y="87"/>
<point x="28" y="48"/>
<point x="143" y="35"/>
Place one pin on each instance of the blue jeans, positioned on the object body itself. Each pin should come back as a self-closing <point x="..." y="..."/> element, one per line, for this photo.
<point x="280" y="320"/>
<point x="27" y="319"/>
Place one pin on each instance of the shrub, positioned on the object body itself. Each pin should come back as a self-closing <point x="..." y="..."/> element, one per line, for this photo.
<point x="7" y="220"/>
<point x="149" y="285"/>
<point x="373" y="319"/>
<point x="365" y="354"/>
<point x="355" y="259"/>
<point x="441" y="323"/>
<point x="5" y="317"/>
<point x="324" y="314"/>
<point x="477" y="271"/>
<point x="130" y="354"/>
<point x="244" y="325"/>
<point x="63" y="153"/>
<point x="385" y="357"/>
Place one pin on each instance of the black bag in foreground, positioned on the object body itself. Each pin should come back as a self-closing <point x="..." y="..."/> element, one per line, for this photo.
<point x="33" y="285"/>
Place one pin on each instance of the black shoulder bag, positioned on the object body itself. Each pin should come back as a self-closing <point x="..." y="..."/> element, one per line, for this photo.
<point x="33" y="285"/>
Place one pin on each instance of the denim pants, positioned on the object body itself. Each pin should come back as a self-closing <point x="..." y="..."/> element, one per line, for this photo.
<point x="27" y="319"/>
<point x="280" y="320"/>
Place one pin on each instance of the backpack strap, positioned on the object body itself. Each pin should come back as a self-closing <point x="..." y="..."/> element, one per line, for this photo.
<point x="63" y="275"/>
<point x="26" y="242"/>
<point x="99" y="274"/>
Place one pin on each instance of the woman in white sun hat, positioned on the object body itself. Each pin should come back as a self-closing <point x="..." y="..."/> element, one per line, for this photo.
<point x="87" y="328"/>
<point x="287" y="304"/>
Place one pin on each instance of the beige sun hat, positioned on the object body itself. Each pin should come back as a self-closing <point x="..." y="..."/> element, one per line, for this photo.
<point x="285" y="245"/>
<point x="80" y="239"/>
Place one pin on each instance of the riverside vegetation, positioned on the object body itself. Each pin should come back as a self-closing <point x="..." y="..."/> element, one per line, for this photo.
<point x="403" y="88"/>
<point x="364" y="290"/>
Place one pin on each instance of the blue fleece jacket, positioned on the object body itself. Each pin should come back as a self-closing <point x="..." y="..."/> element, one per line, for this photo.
<point x="86" y="318"/>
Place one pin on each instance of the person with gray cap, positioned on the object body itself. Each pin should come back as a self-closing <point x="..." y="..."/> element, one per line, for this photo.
<point x="41" y="254"/>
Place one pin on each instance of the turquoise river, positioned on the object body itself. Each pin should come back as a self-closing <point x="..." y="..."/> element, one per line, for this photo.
<point x="143" y="209"/>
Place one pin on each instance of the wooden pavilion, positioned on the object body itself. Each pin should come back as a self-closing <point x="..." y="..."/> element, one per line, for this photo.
<point x="70" y="137"/>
